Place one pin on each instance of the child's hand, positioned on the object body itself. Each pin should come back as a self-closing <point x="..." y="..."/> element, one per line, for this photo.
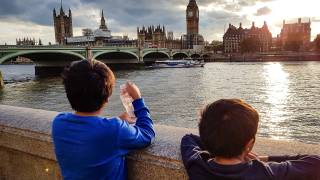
<point x="133" y="90"/>
<point x="125" y="117"/>
<point x="251" y="156"/>
<point x="254" y="156"/>
<point x="264" y="158"/>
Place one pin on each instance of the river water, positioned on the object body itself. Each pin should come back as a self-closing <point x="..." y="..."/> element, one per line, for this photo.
<point x="287" y="95"/>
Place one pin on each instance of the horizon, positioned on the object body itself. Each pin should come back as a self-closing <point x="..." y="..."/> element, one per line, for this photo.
<point x="123" y="16"/>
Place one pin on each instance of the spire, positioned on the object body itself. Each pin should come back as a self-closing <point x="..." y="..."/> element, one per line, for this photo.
<point x="192" y="2"/>
<point x="54" y="12"/>
<point x="103" y="22"/>
<point x="61" y="9"/>
<point x="265" y="25"/>
<point x="253" y="26"/>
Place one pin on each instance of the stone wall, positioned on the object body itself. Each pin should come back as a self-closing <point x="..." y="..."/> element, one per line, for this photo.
<point x="1" y="81"/>
<point x="26" y="150"/>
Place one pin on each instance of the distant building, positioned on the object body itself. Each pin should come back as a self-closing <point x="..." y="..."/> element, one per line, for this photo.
<point x="173" y="43"/>
<point x="28" y="42"/>
<point x="152" y="36"/>
<point x="192" y="40"/>
<point x="234" y="36"/>
<point x="300" y="31"/>
<point x="62" y="25"/>
<point x="99" y="37"/>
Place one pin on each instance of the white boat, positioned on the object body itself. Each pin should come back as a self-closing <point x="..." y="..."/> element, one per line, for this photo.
<point x="177" y="64"/>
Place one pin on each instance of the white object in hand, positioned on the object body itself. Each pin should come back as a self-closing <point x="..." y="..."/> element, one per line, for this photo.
<point x="127" y="102"/>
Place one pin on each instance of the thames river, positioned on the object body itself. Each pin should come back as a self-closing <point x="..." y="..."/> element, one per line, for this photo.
<point x="286" y="95"/>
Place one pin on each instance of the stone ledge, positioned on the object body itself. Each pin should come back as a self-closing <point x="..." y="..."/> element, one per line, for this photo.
<point x="1" y="81"/>
<point x="25" y="133"/>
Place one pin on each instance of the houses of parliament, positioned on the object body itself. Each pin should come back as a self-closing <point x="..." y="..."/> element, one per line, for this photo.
<point x="147" y="37"/>
<point x="156" y="36"/>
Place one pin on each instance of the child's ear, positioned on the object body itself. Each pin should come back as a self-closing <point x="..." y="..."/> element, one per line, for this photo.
<point x="250" y="145"/>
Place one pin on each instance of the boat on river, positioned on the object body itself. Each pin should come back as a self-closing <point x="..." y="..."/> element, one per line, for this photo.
<point x="183" y="63"/>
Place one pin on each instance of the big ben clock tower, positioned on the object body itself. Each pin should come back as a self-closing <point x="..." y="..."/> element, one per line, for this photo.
<point x="192" y="40"/>
<point x="192" y="13"/>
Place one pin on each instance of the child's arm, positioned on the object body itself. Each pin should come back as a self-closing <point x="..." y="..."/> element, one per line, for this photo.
<point x="285" y="158"/>
<point x="141" y="134"/>
<point x="305" y="167"/>
<point x="191" y="148"/>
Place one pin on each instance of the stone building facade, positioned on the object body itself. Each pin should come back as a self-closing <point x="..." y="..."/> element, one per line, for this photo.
<point x="62" y="25"/>
<point x="300" y="30"/>
<point x="173" y="43"/>
<point x="99" y="37"/>
<point x="156" y="37"/>
<point x="152" y="36"/>
<point x="28" y="42"/>
<point x="234" y="36"/>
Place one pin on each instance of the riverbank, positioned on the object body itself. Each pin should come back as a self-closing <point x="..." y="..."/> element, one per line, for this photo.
<point x="26" y="148"/>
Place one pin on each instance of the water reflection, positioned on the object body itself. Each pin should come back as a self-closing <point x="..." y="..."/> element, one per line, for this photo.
<point x="285" y="94"/>
<point x="277" y="90"/>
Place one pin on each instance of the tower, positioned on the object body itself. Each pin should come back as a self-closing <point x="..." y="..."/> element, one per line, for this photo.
<point x="192" y="16"/>
<point x="62" y="25"/>
<point x="103" y="22"/>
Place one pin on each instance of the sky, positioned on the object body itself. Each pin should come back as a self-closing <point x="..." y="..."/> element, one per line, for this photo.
<point x="33" y="18"/>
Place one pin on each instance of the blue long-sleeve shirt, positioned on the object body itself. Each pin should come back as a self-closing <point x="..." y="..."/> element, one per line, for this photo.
<point x="95" y="147"/>
<point x="199" y="166"/>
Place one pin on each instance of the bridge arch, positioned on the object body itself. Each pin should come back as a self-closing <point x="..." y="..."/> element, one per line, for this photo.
<point x="180" y="55"/>
<point x="195" y="56"/>
<point x="116" y="56"/>
<point x="207" y="56"/>
<point x="44" y="55"/>
<point x="152" y="56"/>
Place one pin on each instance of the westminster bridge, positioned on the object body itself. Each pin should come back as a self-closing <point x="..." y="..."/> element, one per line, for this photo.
<point x="50" y="59"/>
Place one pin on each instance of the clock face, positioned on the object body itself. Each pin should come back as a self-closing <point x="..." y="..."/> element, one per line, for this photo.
<point x="190" y="13"/>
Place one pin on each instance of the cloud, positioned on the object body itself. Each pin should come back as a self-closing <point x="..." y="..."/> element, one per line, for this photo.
<point x="263" y="11"/>
<point x="123" y="16"/>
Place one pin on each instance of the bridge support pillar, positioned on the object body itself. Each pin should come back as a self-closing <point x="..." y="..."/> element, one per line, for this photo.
<point x="89" y="54"/>
<point x="171" y="54"/>
<point x="1" y="81"/>
<point x="140" y="54"/>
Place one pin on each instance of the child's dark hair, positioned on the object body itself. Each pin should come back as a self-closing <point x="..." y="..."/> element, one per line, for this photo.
<point x="88" y="84"/>
<point x="226" y="126"/>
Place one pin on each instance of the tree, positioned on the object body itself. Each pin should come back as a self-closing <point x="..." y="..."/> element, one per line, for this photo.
<point x="250" y="44"/>
<point x="294" y="42"/>
<point x="217" y="46"/>
<point x="40" y="42"/>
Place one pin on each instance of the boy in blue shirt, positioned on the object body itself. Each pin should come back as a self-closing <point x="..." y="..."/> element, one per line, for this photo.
<point x="89" y="146"/>
<point x="223" y="151"/>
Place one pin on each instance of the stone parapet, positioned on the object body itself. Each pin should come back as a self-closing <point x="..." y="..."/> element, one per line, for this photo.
<point x="26" y="149"/>
<point x="1" y="81"/>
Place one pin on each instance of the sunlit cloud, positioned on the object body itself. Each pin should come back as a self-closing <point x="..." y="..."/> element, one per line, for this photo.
<point x="123" y="16"/>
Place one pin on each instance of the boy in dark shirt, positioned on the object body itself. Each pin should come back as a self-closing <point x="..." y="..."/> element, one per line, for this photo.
<point x="89" y="146"/>
<point x="223" y="151"/>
